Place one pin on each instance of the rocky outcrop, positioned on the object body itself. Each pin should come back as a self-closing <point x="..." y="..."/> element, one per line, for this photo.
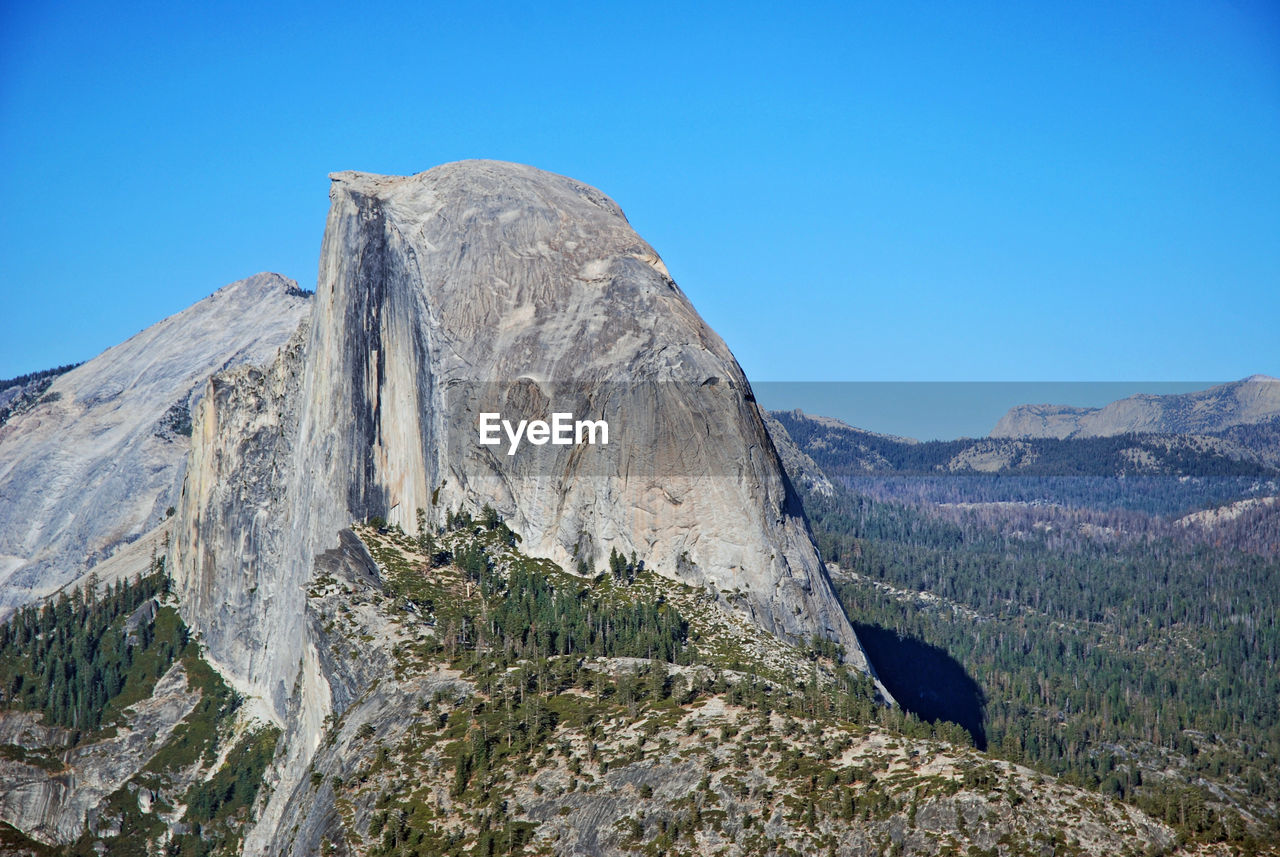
<point x="25" y="729"/>
<point x="355" y="643"/>
<point x="96" y="461"/>
<point x="51" y="802"/>
<point x="803" y="471"/>
<point x="486" y="286"/>
<point x="1252" y="400"/>
<point x="234" y="517"/>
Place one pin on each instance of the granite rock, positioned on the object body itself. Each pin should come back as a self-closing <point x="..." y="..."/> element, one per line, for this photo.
<point x="95" y="463"/>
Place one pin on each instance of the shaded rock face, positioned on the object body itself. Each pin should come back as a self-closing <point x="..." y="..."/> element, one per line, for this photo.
<point x="96" y="462"/>
<point x="802" y="470"/>
<point x="1252" y="400"/>
<point x="475" y="285"/>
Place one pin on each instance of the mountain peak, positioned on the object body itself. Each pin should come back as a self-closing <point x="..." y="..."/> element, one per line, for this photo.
<point x="130" y="406"/>
<point x="483" y="287"/>
<point x="262" y="283"/>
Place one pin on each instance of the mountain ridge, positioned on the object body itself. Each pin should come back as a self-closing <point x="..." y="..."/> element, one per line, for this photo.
<point x="97" y="460"/>
<point x="1250" y="400"/>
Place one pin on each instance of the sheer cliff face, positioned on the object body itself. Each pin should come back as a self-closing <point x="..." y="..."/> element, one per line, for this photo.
<point x="232" y="528"/>
<point x="489" y="285"/>
<point x="485" y="286"/>
<point x="94" y="465"/>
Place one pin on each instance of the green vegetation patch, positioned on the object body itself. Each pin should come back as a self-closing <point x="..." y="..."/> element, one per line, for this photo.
<point x="82" y="658"/>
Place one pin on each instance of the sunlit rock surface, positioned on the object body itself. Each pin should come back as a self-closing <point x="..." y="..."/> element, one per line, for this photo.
<point x="98" y="460"/>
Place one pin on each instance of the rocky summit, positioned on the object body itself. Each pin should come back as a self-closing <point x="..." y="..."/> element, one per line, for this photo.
<point x="486" y="281"/>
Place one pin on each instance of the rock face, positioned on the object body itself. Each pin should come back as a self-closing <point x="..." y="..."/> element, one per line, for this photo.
<point x="1252" y="400"/>
<point x="231" y="534"/>
<point x="803" y="471"/>
<point x="483" y="286"/>
<point x="96" y="462"/>
<point x="52" y="805"/>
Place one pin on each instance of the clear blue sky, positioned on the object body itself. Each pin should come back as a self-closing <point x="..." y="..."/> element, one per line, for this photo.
<point x="847" y="191"/>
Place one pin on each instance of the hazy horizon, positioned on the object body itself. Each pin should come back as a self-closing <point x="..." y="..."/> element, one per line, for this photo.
<point x="947" y="410"/>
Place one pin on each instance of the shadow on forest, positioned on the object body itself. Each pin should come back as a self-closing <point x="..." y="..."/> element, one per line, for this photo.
<point x="925" y="680"/>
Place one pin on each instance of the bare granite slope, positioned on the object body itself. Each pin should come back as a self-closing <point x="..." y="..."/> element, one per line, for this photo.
<point x="95" y="463"/>
<point x="53" y="806"/>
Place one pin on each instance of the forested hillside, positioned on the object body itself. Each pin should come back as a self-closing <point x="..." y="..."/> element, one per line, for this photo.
<point x="520" y="708"/>
<point x="1242" y="452"/>
<point x="84" y="655"/>
<point x="106" y="703"/>
<point x="1083" y="625"/>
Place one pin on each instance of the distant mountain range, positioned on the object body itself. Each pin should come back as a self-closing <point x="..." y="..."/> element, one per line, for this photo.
<point x="1228" y="430"/>
<point x="840" y="450"/>
<point x="1255" y="399"/>
<point x="1037" y="586"/>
